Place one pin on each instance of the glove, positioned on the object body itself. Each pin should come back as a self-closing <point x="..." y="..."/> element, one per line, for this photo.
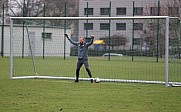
<point x="92" y="36"/>
<point x="66" y="36"/>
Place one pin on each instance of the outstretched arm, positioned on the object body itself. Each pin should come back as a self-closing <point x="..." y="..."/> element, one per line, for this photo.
<point x="91" y="42"/>
<point x="71" y="41"/>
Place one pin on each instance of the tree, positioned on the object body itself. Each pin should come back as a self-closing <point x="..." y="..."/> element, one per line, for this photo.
<point x="4" y="10"/>
<point x="35" y="8"/>
<point x="56" y="8"/>
<point x="154" y="33"/>
<point x="40" y="8"/>
<point x="61" y="8"/>
<point x="27" y="8"/>
<point x="115" y="41"/>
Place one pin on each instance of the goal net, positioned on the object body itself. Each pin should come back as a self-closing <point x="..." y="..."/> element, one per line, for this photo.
<point x="144" y="49"/>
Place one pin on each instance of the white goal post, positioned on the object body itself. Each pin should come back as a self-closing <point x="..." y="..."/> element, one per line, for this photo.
<point x="166" y="61"/>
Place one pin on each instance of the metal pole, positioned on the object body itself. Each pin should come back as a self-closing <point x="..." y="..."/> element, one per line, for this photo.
<point x="23" y="30"/>
<point x="2" y="39"/>
<point x="23" y="41"/>
<point x="178" y="38"/>
<point x="32" y="56"/>
<point x="133" y="33"/>
<point x="11" y="49"/>
<point x="44" y="32"/>
<point x="109" y="57"/>
<point x="179" y="48"/>
<point x="87" y="20"/>
<point x="158" y="30"/>
<point x="65" y="28"/>
<point x="167" y="53"/>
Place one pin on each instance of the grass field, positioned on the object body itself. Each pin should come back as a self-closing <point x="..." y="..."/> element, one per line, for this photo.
<point x="41" y="95"/>
<point x="142" y="68"/>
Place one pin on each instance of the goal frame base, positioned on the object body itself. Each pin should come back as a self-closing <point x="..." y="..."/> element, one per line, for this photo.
<point x="101" y="80"/>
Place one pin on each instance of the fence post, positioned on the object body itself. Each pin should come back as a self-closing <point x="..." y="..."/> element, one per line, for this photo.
<point x="178" y="38"/>
<point x="2" y="39"/>
<point x="23" y="29"/>
<point x="109" y="57"/>
<point x="65" y="29"/>
<point x="133" y="33"/>
<point x="87" y="20"/>
<point x="158" y="30"/>
<point x="43" y="35"/>
<point x="179" y="52"/>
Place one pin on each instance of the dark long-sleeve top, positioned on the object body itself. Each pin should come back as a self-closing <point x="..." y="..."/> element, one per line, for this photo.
<point x="82" y="48"/>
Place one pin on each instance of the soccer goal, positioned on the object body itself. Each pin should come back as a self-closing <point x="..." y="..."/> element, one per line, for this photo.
<point x="138" y="49"/>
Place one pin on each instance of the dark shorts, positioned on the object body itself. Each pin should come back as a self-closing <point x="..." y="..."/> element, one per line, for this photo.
<point x="80" y="62"/>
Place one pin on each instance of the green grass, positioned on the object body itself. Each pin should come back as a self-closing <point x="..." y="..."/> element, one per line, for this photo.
<point x="142" y="68"/>
<point x="40" y="95"/>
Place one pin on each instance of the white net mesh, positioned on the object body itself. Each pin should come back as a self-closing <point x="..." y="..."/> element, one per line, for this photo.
<point x="124" y="49"/>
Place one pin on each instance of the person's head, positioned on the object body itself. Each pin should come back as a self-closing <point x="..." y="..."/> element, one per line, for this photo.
<point x="82" y="40"/>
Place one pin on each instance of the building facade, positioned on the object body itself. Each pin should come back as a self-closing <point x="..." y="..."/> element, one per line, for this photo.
<point x="53" y="41"/>
<point x="129" y="30"/>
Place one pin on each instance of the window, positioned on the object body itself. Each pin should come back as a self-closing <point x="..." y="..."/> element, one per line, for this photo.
<point x="104" y="26"/>
<point x="88" y="26"/>
<point x="138" y="26"/>
<point x="154" y="11"/>
<point x="138" y="11"/>
<point x="88" y="11"/>
<point x="104" y="11"/>
<point x="173" y="11"/>
<point x="137" y="41"/>
<point x="120" y="26"/>
<point x="47" y="36"/>
<point x="121" y="11"/>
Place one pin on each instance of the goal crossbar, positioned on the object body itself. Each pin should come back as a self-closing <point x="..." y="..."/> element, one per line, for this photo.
<point x="92" y="18"/>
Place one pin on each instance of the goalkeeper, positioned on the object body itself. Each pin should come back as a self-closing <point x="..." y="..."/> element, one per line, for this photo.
<point x="82" y="55"/>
